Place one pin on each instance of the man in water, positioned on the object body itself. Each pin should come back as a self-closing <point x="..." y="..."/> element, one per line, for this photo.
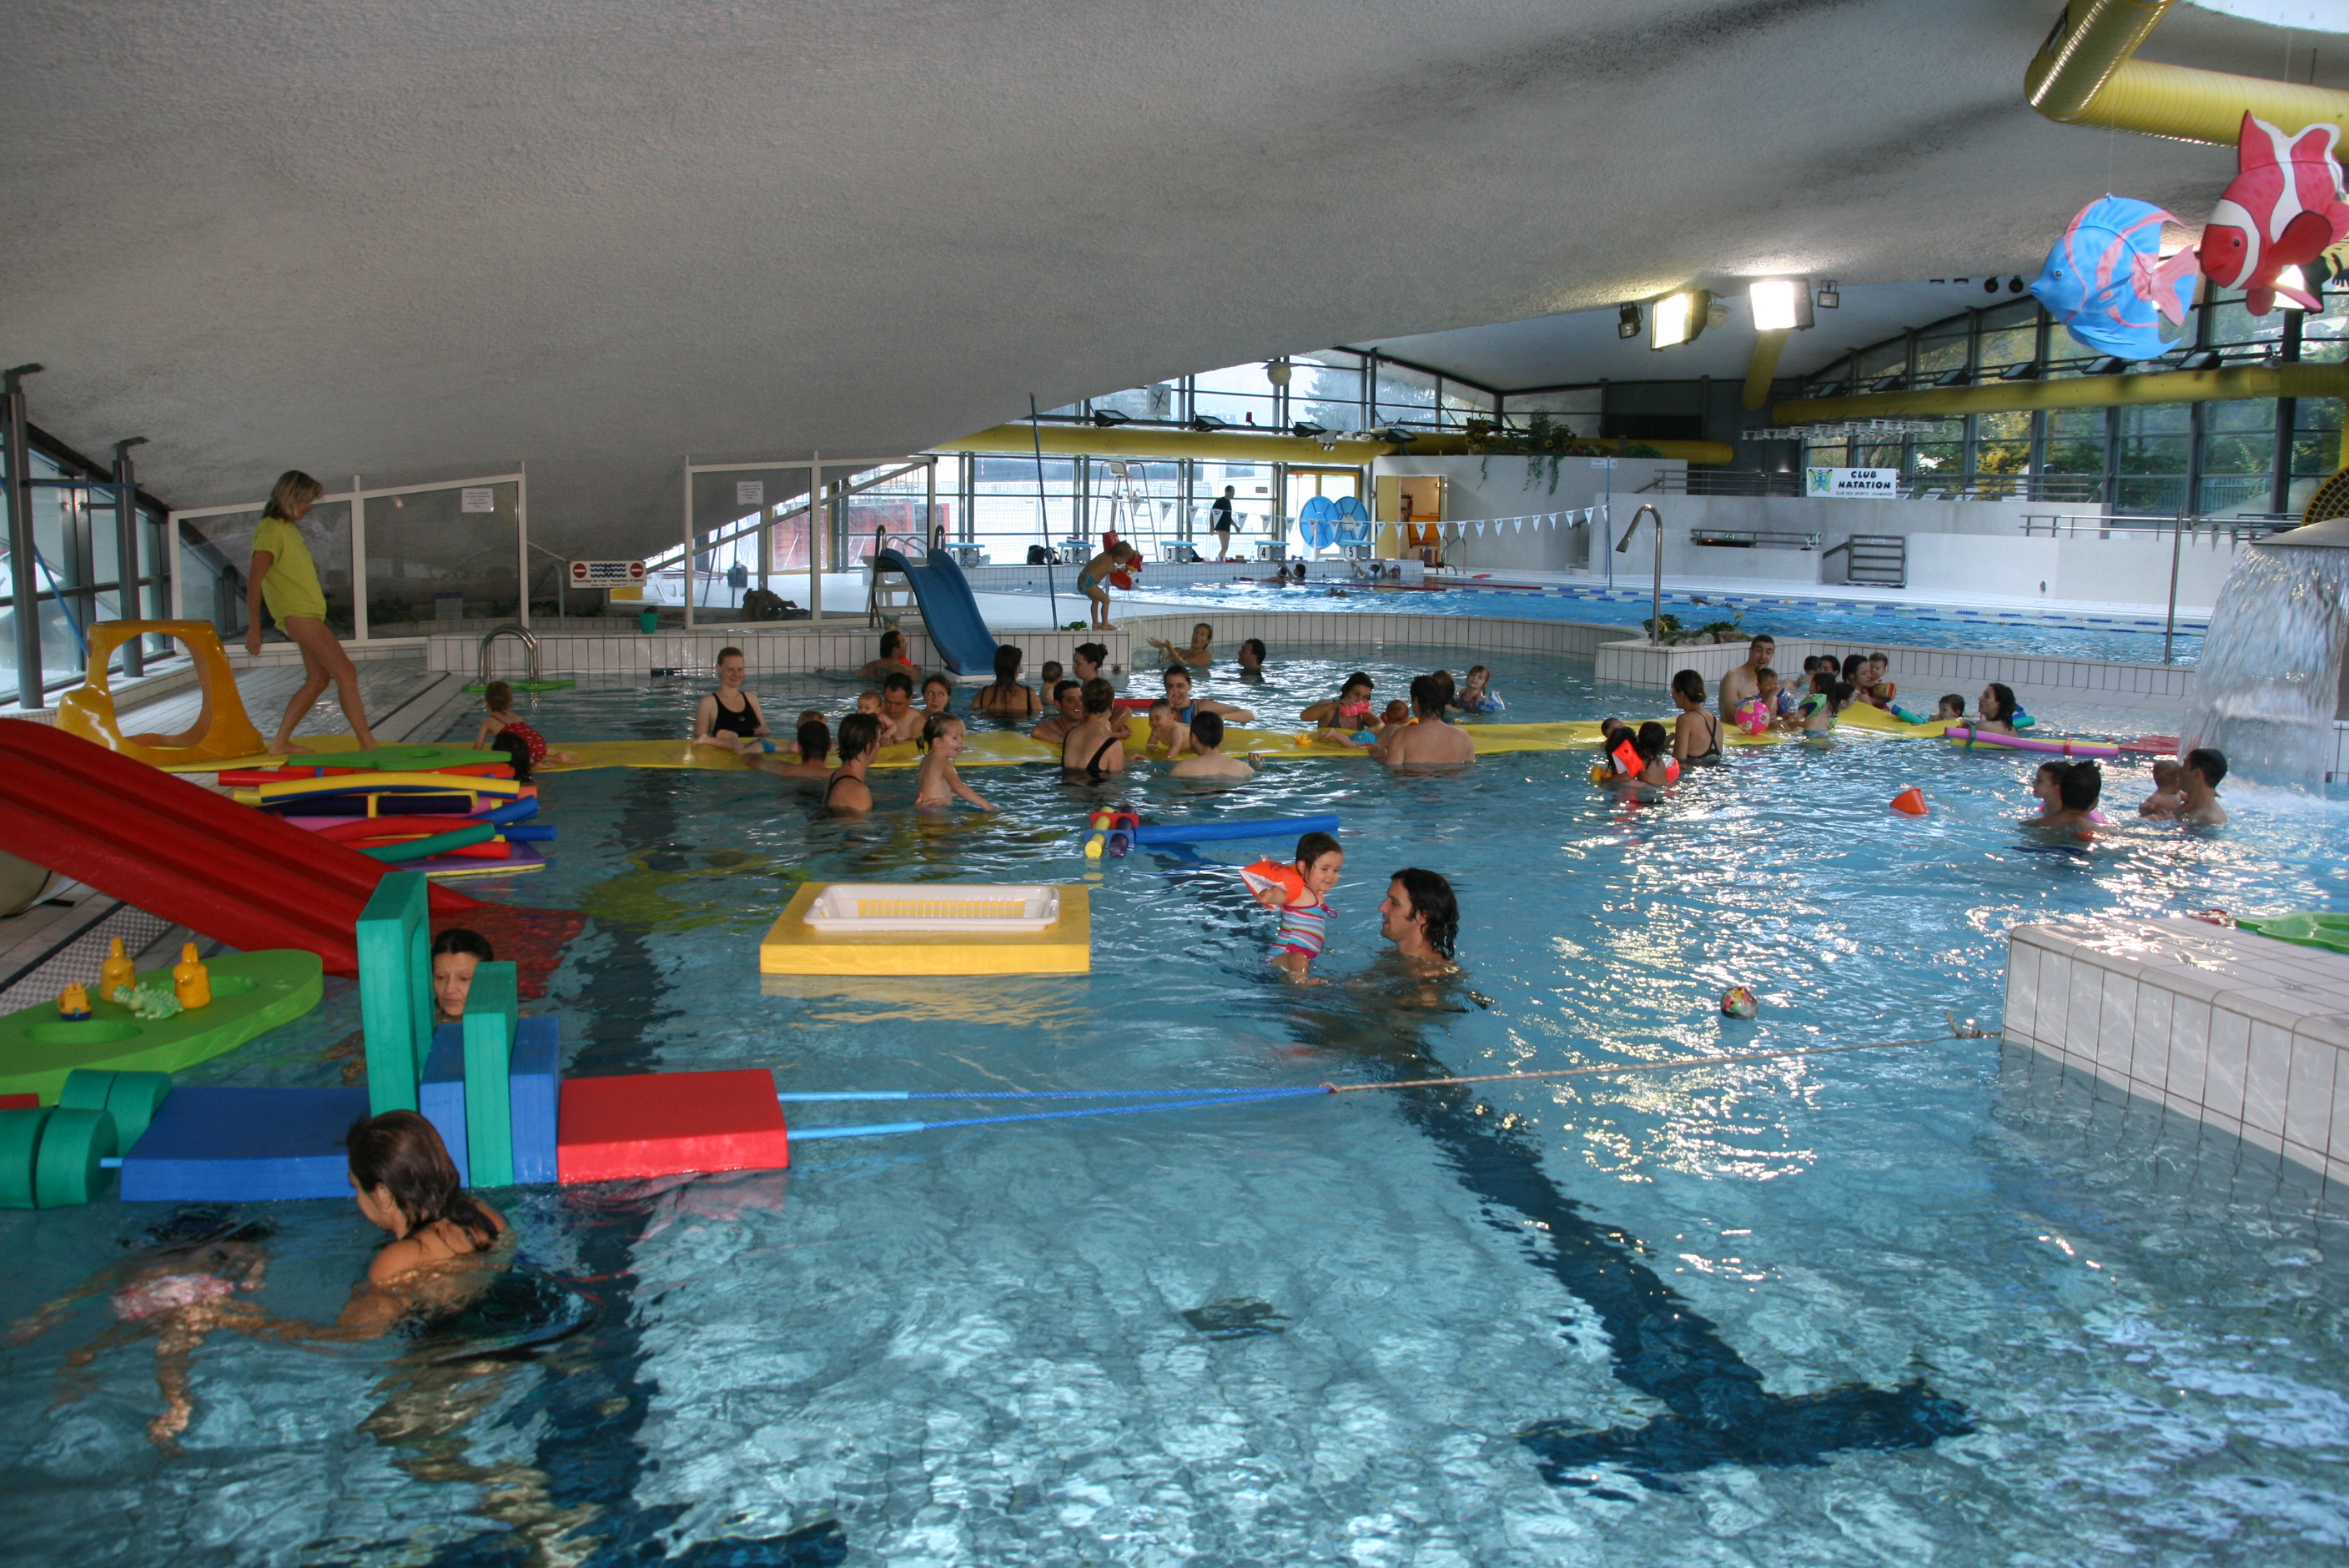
<point x="2206" y="769"/>
<point x="1421" y="918"/>
<point x="1743" y="682"/>
<point x="1426" y="741"/>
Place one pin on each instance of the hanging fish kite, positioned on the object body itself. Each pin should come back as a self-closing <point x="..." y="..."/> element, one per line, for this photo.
<point x="2107" y="282"/>
<point x="2282" y="208"/>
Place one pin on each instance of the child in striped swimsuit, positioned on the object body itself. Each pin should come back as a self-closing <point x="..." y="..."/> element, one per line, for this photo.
<point x="1299" y="891"/>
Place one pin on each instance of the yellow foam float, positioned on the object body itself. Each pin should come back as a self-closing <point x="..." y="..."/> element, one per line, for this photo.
<point x="936" y="928"/>
<point x="221" y="730"/>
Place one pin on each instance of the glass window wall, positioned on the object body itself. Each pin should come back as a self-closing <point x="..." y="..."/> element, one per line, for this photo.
<point x="440" y="560"/>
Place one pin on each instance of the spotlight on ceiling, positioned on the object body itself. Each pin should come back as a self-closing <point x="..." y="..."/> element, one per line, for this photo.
<point x="2014" y="285"/>
<point x="1307" y="429"/>
<point x="1677" y="318"/>
<point x="2200" y="359"/>
<point x="1828" y="298"/>
<point x="2024" y="372"/>
<point x="1891" y="383"/>
<point x="2108" y="365"/>
<point x="1627" y="322"/>
<point x="1960" y="377"/>
<point x="1990" y="285"/>
<point x="1780" y="305"/>
<point x="1208" y="424"/>
<point x="1398" y="435"/>
<point x="1105" y="417"/>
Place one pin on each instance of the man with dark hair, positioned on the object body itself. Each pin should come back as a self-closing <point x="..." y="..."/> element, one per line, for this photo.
<point x="1427" y="741"/>
<point x="1743" y="682"/>
<point x="2206" y="769"/>
<point x="1421" y="918"/>
<point x="900" y="720"/>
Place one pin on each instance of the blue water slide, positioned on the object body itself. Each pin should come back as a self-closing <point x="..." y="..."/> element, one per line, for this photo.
<point x="949" y="613"/>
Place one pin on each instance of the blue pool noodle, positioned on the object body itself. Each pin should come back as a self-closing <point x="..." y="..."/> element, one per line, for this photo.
<point x="1261" y="828"/>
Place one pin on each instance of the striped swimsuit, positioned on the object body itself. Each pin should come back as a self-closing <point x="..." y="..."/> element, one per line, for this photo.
<point x="1303" y="928"/>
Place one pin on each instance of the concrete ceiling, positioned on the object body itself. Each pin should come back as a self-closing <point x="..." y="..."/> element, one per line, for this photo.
<point x="412" y="240"/>
<point x="1584" y="347"/>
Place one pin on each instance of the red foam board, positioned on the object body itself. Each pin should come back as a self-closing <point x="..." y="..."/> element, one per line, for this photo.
<point x="19" y="1101"/>
<point x="669" y="1124"/>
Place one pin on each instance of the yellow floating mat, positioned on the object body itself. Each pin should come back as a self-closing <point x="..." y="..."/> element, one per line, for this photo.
<point x="473" y="787"/>
<point x="793" y="946"/>
<point x="1000" y="748"/>
<point x="311" y="745"/>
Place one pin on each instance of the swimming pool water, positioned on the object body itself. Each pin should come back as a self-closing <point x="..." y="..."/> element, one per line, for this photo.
<point x="1438" y="1326"/>
<point x="2047" y="634"/>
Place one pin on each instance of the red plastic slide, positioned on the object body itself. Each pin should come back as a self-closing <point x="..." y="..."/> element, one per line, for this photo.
<point x="179" y="851"/>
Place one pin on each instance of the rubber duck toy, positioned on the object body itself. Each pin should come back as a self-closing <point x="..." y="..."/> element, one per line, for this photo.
<point x="190" y="981"/>
<point x="116" y="973"/>
<point x="73" y="1002"/>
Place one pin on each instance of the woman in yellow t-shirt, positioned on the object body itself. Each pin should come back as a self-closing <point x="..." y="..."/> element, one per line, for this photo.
<point x="284" y="574"/>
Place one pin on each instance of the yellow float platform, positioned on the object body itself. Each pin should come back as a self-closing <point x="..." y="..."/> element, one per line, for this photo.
<point x="793" y="946"/>
<point x="221" y="730"/>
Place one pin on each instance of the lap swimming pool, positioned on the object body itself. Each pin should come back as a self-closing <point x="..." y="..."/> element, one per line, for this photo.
<point x="1901" y="1305"/>
<point x="2128" y="638"/>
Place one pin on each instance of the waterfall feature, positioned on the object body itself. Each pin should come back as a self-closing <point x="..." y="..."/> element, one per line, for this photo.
<point x="2270" y="684"/>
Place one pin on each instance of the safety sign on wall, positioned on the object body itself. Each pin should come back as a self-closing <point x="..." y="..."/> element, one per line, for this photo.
<point x="605" y="574"/>
<point x="477" y="498"/>
<point x="1853" y="484"/>
<point x="749" y="492"/>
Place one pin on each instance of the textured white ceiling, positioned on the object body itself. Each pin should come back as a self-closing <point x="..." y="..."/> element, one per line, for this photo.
<point x="409" y="240"/>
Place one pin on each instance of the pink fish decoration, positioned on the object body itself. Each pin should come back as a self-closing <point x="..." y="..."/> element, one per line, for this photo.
<point x="2282" y="210"/>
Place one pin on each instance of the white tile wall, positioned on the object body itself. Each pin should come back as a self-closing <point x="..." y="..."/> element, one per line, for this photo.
<point x="784" y="649"/>
<point x="2246" y="1034"/>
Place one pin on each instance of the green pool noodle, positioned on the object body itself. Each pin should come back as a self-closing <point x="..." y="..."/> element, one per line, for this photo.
<point x="490" y="1009"/>
<point x="439" y="844"/>
<point x="400" y="758"/>
<point x="253" y="993"/>
<point x="20" y="1142"/>
<point x="132" y="1098"/>
<point x="67" y="1169"/>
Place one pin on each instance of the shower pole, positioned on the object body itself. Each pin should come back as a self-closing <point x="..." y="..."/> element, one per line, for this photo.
<point x="2169" y="626"/>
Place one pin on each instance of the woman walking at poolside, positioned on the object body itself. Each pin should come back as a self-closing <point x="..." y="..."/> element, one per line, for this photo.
<point x="284" y="574"/>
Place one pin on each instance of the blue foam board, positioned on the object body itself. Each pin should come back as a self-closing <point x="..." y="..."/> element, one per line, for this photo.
<point x="536" y="1090"/>
<point x="440" y="1093"/>
<point x="215" y="1144"/>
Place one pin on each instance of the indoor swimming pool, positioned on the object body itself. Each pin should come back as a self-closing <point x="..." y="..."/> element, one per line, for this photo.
<point x="1916" y="1303"/>
<point x="2126" y="637"/>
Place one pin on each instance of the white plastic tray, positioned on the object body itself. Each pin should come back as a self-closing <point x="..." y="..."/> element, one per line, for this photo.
<point x="846" y="908"/>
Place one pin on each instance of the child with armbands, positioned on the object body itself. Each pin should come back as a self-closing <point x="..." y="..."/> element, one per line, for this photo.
<point x="1476" y="694"/>
<point x="1299" y="892"/>
<point x="1657" y="763"/>
<point x="1618" y="757"/>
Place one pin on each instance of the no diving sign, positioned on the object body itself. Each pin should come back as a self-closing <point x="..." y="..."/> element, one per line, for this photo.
<point x="605" y="574"/>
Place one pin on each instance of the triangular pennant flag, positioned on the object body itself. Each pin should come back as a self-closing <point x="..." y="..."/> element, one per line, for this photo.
<point x="1521" y="525"/>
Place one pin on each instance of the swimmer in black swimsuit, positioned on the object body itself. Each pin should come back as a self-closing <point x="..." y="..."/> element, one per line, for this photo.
<point x="1696" y="737"/>
<point x="848" y="795"/>
<point x="735" y="726"/>
<point x="1099" y="737"/>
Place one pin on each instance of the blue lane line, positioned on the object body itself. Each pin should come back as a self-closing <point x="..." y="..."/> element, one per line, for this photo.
<point x="878" y="1129"/>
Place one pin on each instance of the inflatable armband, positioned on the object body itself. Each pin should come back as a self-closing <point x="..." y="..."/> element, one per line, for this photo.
<point x="1268" y="876"/>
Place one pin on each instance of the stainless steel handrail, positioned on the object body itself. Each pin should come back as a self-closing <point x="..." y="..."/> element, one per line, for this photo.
<point x="510" y="629"/>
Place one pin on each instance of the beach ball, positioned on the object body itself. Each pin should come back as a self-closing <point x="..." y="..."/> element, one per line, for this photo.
<point x="1737" y="1002"/>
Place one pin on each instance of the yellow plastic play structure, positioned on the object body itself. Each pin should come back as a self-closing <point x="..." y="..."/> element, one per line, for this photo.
<point x="221" y="731"/>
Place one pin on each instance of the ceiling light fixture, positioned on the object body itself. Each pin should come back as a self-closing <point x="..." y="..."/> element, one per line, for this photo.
<point x="1105" y="417"/>
<point x="2108" y="365"/>
<point x="1208" y="424"/>
<point x="1307" y="429"/>
<point x="2200" y="359"/>
<point x="1627" y="322"/>
<point x="1828" y="298"/>
<point x="1277" y="372"/>
<point x="1677" y="318"/>
<point x="1780" y="305"/>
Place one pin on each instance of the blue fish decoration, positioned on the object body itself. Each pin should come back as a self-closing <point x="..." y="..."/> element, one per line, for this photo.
<point x="2106" y="280"/>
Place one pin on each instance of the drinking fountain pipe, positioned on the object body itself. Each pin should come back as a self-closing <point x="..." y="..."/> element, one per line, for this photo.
<point x="1656" y="597"/>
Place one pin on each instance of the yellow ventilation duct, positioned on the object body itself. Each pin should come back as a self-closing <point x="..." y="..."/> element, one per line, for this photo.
<point x="2085" y="75"/>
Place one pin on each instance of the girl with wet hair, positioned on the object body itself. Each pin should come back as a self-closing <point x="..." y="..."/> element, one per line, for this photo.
<point x="407" y="1184"/>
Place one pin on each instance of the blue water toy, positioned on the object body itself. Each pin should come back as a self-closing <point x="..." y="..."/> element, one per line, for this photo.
<point x="2107" y="282"/>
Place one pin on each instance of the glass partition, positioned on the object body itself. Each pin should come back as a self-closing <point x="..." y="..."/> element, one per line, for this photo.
<point x="443" y="560"/>
<point x="216" y="556"/>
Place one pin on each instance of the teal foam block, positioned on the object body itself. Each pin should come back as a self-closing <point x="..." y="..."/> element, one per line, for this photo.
<point x="490" y="1014"/>
<point x="440" y="1094"/>
<point x="535" y="1087"/>
<point x="214" y="1144"/>
<point x="394" y="938"/>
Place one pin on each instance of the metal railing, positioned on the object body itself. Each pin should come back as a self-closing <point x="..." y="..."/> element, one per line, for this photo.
<point x="1753" y="539"/>
<point x="515" y="629"/>
<point x="2235" y="529"/>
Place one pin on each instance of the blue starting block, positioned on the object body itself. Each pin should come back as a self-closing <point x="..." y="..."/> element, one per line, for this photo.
<point x="216" y="1144"/>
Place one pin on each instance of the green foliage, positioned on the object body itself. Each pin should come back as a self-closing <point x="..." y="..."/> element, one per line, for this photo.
<point x="1544" y="444"/>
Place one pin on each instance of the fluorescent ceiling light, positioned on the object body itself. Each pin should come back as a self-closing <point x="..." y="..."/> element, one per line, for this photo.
<point x="1677" y="318"/>
<point x="1780" y="305"/>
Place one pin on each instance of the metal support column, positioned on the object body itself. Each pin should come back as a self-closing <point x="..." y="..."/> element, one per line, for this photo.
<point x="129" y="596"/>
<point x="687" y="561"/>
<point x="521" y="549"/>
<point x="819" y="524"/>
<point x="23" y="586"/>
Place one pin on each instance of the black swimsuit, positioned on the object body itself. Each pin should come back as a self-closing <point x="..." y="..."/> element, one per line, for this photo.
<point x="1093" y="770"/>
<point x="743" y="722"/>
<point x="837" y="779"/>
<point x="1714" y="755"/>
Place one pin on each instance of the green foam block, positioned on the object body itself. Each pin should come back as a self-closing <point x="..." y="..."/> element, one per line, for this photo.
<point x="2317" y="929"/>
<point x="398" y="758"/>
<point x="253" y="993"/>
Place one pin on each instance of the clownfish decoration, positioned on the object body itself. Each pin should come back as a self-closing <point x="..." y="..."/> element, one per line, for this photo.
<point x="2282" y="208"/>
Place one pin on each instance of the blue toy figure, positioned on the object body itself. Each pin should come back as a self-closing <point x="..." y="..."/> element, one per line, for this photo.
<point x="2107" y="282"/>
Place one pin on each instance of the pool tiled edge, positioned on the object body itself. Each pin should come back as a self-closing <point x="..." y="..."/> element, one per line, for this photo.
<point x="2244" y="1034"/>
